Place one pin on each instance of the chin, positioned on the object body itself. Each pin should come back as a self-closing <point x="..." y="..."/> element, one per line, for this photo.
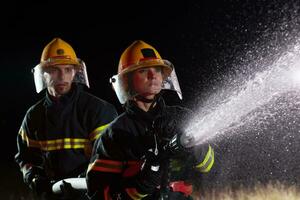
<point x="155" y="91"/>
<point x="61" y="92"/>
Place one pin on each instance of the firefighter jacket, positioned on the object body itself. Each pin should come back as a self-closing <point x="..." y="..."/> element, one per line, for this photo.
<point x="119" y="152"/>
<point x="57" y="136"/>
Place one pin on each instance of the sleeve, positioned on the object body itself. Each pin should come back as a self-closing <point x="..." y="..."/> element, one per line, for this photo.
<point x="104" y="113"/>
<point x="106" y="175"/>
<point x="105" y="167"/>
<point x="28" y="157"/>
<point x="194" y="166"/>
<point x="204" y="157"/>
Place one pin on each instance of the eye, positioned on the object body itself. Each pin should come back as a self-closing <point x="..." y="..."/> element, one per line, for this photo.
<point x="51" y="70"/>
<point x="142" y="71"/>
<point x="158" y="69"/>
<point x="69" y="69"/>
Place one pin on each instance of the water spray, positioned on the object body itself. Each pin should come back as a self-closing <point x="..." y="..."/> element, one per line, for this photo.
<point x="282" y="76"/>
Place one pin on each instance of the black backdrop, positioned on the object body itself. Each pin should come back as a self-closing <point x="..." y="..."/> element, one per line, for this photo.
<point x="203" y="39"/>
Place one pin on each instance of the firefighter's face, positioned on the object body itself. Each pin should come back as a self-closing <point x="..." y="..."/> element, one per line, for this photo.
<point x="147" y="81"/>
<point x="59" y="79"/>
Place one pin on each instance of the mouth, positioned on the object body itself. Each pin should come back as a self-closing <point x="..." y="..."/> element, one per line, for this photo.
<point x="154" y="87"/>
<point x="154" y="84"/>
<point x="61" y="84"/>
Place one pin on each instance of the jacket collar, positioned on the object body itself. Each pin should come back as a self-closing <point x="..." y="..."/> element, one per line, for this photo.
<point x="64" y="99"/>
<point x="133" y="110"/>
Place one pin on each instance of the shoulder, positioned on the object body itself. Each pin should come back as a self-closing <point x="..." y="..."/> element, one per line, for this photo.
<point x="122" y="122"/>
<point x="37" y="108"/>
<point x="178" y="110"/>
<point x="120" y="127"/>
<point x="92" y="100"/>
<point x="115" y="134"/>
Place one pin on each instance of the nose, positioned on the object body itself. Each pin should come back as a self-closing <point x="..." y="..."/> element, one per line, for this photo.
<point x="152" y="73"/>
<point x="61" y="74"/>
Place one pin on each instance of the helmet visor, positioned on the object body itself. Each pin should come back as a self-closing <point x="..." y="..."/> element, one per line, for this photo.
<point x="171" y="83"/>
<point x="81" y="75"/>
<point x="40" y="83"/>
<point x="125" y="93"/>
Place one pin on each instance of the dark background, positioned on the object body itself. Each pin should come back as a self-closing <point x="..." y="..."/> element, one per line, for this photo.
<point x="203" y="39"/>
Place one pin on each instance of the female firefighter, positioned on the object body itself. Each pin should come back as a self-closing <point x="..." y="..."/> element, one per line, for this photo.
<point x="134" y="157"/>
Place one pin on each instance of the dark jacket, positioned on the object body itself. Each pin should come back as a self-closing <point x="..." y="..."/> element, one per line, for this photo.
<point x="57" y="136"/>
<point x="120" y="152"/>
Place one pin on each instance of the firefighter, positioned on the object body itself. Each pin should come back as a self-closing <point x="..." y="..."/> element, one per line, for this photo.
<point x="134" y="157"/>
<point x="56" y="136"/>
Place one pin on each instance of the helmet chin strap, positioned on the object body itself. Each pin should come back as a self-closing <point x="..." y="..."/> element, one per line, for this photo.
<point x="152" y="101"/>
<point x="145" y="100"/>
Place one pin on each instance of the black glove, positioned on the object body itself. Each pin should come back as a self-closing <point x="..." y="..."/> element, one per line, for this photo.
<point x="68" y="192"/>
<point x="35" y="178"/>
<point x="178" y="145"/>
<point x="32" y="172"/>
<point x="40" y="185"/>
<point x="150" y="175"/>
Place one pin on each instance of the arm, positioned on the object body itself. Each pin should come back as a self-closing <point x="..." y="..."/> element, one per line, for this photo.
<point x="103" y="115"/>
<point x="30" y="158"/>
<point x="99" y="116"/>
<point x="112" y="171"/>
<point x="105" y="166"/>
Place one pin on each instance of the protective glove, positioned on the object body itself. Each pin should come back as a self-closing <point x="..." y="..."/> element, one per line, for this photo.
<point x="150" y="175"/>
<point x="68" y="192"/>
<point x="178" y="146"/>
<point x="40" y="185"/>
<point x="172" y="136"/>
<point x="29" y="172"/>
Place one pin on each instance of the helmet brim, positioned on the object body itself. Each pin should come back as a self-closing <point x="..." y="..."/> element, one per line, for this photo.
<point x="61" y="62"/>
<point x="167" y="66"/>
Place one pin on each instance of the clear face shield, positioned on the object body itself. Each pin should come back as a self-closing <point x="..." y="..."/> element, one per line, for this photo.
<point x="125" y="93"/>
<point x="40" y="83"/>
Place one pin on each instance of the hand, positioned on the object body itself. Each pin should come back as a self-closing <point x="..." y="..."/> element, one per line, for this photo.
<point x="40" y="184"/>
<point x="177" y="145"/>
<point x="68" y="192"/>
<point x="32" y="172"/>
<point x="151" y="174"/>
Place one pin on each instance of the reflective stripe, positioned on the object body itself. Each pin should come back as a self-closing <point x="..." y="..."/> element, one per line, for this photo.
<point x="106" y="194"/>
<point x="208" y="161"/>
<point x="106" y="166"/>
<point x="133" y="193"/>
<point x="96" y="133"/>
<point x="51" y="145"/>
<point x="132" y="168"/>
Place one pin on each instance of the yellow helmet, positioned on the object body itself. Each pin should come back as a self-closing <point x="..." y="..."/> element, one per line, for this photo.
<point x="140" y="54"/>
<point x="59" y="52"/>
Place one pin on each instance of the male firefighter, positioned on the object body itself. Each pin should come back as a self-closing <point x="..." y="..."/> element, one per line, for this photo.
<point x="56" y="136"/>
<point x="134" y="157"/>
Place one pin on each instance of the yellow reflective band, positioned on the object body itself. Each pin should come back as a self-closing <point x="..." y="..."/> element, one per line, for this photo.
<point x="133" y="193"/>
<point x="95" y="134"/>
<point x="24" y="135"/>
<point x="208" y="161"/>
<point x="51" y="145"/>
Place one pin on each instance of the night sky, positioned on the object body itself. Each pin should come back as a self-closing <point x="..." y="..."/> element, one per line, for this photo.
<point x="203" y="39"/>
